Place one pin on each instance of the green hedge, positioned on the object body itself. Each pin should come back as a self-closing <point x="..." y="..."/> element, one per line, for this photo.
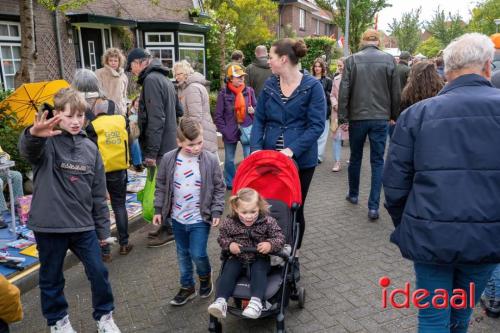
<point x="316" y="47"/>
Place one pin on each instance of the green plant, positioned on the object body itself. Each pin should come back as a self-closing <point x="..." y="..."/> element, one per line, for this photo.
<point x="213" y="102"/>
<point x="126" y="37"/>
<point x="317" y="47"/>
<point x="194" y="12"/>
<point x="9" y="137"/>
<point x="249" y="50"/>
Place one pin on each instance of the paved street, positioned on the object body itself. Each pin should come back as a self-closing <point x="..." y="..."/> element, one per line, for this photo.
<point x="343" y="257"/>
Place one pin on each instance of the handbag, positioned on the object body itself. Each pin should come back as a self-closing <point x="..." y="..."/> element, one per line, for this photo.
<point x="147" y="195"/>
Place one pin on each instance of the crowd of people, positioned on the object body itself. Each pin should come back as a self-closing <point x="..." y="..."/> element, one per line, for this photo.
<point x="439" y="179"/>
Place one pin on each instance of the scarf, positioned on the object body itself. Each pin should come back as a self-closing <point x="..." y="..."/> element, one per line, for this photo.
<point x="240" y="108"/>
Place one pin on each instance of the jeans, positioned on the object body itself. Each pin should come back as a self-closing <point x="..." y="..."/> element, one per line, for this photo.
<point x="229" y="167"/>
<point x="492" y="289"/>
<point x="337" y="146"/>
<point x="322" y="141"/>
<point x="376" y="130"/>
<point x="17" y="187"/>
<point x="232" y="271"/>
<point x="116" y="183"/>
<point x="191" y="244"/>
<point x="52" y="248"/>
<point x="448" y="277"/>
<point x="135" y="152"/>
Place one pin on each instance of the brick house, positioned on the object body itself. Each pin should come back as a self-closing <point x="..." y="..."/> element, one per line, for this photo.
<point x="305" y="18"/>
<point x="166" y="29"/>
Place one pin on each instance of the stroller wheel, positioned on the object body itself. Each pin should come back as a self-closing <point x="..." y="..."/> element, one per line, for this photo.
<point x="302" y="297"/>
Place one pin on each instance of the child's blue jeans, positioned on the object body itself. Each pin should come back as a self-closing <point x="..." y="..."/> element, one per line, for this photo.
<point x="191" y="243"/>
<point x="448" y="277"/>
<point x="135" y="151"/>
<point x="492" y="290"/>
<point x="52" y="248"/>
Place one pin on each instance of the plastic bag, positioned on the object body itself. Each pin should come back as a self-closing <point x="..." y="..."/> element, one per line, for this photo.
<point x="147" y="195"/>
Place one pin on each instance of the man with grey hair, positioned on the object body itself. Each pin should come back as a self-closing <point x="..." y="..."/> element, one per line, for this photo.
<point x="157" y="119"/>
<point x="441" y="184"/>
<point x="258" y="71"/>
<point x="369" y="97"/>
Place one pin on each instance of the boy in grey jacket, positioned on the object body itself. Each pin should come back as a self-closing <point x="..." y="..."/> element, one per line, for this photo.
<point x="68" y="209"/>
<point x="190" y="190"/>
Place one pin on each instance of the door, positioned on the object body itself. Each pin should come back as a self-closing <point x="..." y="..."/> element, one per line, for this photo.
<point x="92" y="48"/>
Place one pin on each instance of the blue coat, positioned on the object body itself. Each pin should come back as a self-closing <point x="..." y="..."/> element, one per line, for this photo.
<point x="442" y="176"/>
<point x="301" y="120"/>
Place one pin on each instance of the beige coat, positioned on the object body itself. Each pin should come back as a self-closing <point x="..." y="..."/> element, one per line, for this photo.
<point x="194" y="98"/>
<point x="114" y="85"/>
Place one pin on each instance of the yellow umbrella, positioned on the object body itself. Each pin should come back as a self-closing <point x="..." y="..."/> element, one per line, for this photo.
<point x="25" y="100"/>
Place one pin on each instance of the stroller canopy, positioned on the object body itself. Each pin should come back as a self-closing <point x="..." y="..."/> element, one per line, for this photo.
<point x="272" y="174"/>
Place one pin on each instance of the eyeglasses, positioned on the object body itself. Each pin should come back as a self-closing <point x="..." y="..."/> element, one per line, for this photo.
<point x="493" y="66"/>
<point x="177" y="74"/>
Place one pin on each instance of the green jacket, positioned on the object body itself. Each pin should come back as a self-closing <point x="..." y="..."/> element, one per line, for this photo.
<point x="403" y="72"/>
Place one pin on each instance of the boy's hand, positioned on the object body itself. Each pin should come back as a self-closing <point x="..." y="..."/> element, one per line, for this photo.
<point x="157" y="219"/>
<point x="215" y="221"/>
<point x="264" y="247"/>
<point x="44" y="128"/>
<point x="234" y="248"/>
<point x="150" y="162"/>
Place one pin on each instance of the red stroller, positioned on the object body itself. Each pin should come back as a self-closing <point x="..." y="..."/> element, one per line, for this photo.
<point x="276" y="178"/>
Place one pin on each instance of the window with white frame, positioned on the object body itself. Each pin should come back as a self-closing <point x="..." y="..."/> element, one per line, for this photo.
<point x="192" y="49"/>
<point x="159" y="38"/>
<point x="10" y="31"/>
<point x="10" y="58"/>
<point x="164" y="54"/>
<point x="327" y="29"/>
<point x="302" y="19"/>
<point x="317" y="26"/>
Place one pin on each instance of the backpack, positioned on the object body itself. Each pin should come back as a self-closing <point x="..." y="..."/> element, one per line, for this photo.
<point x="112" y="141"/>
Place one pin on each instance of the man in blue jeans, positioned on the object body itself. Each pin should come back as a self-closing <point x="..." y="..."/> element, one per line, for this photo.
<point x="490" y="300"/>
<point x="369" y="97"/>
<point x="440" y="187"/>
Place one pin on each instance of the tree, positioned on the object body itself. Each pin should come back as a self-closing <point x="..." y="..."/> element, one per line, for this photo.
<point x="483" y="17"/>
<point x="407" y="30"/>
<point x="26" y="72"/>
<point x="249" y="21"/>
<point x="446" y="27"/>
<point x="362" y="13"/>
<point x="430" y="47"/>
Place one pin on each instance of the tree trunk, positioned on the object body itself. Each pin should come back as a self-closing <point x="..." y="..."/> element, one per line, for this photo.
<point x="222" y="55"/>
<point x="28" y="53"/>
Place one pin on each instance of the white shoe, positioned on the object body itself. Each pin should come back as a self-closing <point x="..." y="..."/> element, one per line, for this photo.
<point x="253" y="309"/>
<point x="218" y="309"/>
<point x="107" y="325"/>
<point x="62" y="326"/>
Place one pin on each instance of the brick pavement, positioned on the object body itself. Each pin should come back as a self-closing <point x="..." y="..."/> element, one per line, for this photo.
<point x="343" y="257"/>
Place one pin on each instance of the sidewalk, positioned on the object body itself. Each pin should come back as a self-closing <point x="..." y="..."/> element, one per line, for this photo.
<point x="342" y="259"/>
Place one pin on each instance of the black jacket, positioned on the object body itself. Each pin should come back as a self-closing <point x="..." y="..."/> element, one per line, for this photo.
<point x="257" y="74"/>
<point x="157" y="111"/>
<point x="403" y="72"/>
<point x="69" y="185"/>
<point x="370" y="88"/>
<point x="327" y="84"/>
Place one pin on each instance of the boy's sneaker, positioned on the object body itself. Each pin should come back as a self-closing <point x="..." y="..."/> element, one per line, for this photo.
<point x="491" y="306"/>
<point x="62" y="326"/>
<point x="107" y="325"/>
<point x="253" y="309"/>
<point x="206" y="286"/>
<point x="107" y="258"/>
<point x="218" y="309"/>
<point x="183" y="296"/>
<point x="164" y="237"/>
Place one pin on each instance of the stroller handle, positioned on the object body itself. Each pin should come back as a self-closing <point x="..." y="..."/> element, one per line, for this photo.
<point x="280" y="254"/>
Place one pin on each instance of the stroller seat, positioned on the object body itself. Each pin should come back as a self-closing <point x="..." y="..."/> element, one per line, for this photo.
<point x="274" y="281"/>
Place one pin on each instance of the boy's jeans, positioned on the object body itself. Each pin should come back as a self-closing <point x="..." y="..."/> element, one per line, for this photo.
<point x="52" y="249"/>
<point x="135" y="151"/>
<point x="492" y="290"/>
<point x="376" y="130"/>
<point x="449" y="277"/>
<point x="337" y="146"/>
<point x="229" y="167"/>
<point x="191" y="243"/>
<point x="116" y="184"/>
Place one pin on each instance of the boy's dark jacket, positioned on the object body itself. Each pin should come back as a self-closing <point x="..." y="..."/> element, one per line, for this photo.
<point x="69" y="192"/>
<point x="212" y="189"/>
<point x="265" y="229"/>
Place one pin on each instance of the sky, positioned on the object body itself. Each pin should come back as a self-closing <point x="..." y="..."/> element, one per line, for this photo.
<point x="428" y="7"/>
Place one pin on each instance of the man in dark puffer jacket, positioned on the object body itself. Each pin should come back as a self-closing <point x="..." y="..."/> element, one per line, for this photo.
<point x="442" y="183"/>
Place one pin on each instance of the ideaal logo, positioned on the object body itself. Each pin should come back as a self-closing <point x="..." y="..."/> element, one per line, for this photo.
<point x="460" y="299"/>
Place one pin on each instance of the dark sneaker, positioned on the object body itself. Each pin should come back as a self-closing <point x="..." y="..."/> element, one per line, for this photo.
<point x="163" y="239"/>
<point x="373" y="214"/>
<point x="353" y="200"/>
<point x="154" y="234"/>
<point x="206" y="286"/>
<point x="125" y="249"/>
<point x="183" y="296"/>
<point x="107" y="258"/>
<point x="491" y="307"/>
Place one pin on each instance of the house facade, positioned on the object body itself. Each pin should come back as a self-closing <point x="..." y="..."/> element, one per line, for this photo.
<point x="78" y="38"/>
<point x="305" y="18"/>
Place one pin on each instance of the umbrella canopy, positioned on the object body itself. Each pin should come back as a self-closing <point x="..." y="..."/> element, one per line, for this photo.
<point x="25" y="100"/>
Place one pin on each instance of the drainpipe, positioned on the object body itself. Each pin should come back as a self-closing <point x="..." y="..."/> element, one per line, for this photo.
<point x="58" y="39"/>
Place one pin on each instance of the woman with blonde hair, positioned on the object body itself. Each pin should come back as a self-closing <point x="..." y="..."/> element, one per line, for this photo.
<point x="194" y="99"/>
<point x="112" y="78"/>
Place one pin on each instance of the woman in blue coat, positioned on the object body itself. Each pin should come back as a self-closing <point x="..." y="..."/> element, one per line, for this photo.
<point x="291" y="113"/>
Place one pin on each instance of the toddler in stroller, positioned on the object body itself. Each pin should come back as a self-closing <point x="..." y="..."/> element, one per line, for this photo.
<point x="266" y="196"/>
<point x="248" y="226"/>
